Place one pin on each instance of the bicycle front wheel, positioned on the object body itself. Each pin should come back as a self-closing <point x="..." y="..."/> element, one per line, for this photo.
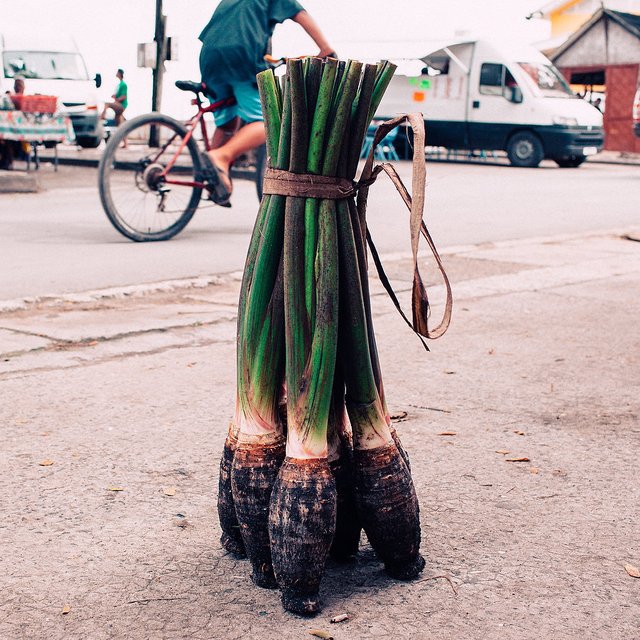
<point x="146" y="178"/>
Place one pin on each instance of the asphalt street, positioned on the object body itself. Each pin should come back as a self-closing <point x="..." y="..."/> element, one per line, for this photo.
<point x="60" y="241"/>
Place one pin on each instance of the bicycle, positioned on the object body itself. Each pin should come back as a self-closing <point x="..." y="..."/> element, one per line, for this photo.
<point x="150" y="174"/>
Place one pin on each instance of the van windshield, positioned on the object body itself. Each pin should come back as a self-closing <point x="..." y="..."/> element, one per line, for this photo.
<point x="44" y="65"/>
<point x="547" y="80"/>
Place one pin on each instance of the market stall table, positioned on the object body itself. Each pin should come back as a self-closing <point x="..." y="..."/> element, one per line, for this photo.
<point x="36" y="129"/>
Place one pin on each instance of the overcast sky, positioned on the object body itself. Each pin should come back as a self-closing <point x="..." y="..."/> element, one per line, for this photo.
<point x="107" y="32"/>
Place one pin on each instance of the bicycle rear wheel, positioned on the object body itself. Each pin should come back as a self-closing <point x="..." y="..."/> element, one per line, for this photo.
<point x="138" y="197"/>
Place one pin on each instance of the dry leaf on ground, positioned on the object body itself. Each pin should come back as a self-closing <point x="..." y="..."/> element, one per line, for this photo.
<point x="534" y="470"/>
<point x="634" y="572"/>
<point x="447" y="433"/>
<point x="503" y="451"/>
<point x="66" y="609"/>
<point x="398" y="415"/>
<point x="169" y="491"/>
<point x="319" y="633"/>
<point x="519" y="433"/>
<point x="45" y="463"/>
<point x="523" y="459"/>
<point x="115" y="488"/>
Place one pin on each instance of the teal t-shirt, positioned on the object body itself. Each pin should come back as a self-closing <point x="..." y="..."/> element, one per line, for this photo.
<point x="236" y="38"/>
<point x="121" y="90"/>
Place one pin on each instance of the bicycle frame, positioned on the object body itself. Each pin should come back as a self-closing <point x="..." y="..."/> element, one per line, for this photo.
<point x="191" y="126"/>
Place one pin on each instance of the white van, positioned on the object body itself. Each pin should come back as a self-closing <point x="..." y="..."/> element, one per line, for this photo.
<point x="52" y="65"/>
<point x="481" y="95"/>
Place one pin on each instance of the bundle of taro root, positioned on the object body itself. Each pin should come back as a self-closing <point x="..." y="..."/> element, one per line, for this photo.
<point x="311" y="457"/>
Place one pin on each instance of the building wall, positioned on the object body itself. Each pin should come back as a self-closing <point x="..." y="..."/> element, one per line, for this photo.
<point x="569" y="17"/>
<point x="592" y="49"/>
<point x="621" y="82"/>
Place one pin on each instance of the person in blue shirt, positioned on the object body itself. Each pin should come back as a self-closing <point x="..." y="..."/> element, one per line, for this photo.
<point x="234" y="44"/>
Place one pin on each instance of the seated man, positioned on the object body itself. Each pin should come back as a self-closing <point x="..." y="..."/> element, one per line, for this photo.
<point x="120" y="101"/>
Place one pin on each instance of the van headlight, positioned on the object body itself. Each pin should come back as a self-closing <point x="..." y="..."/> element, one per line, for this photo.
<point x="565" y="121"/>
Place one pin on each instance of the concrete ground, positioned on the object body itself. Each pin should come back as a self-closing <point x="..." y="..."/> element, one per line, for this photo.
<point x="114" y="410"/>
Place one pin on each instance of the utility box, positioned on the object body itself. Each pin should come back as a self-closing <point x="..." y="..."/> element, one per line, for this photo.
<point x="147" y="55"/>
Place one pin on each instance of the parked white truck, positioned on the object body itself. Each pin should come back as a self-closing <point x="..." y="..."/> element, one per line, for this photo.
<point x="479" y="95"/>
<point x="51" y="64"/>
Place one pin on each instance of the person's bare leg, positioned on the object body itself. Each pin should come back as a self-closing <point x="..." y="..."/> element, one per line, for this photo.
<point x="223" y="133"/>
<point x="248" y="137"/>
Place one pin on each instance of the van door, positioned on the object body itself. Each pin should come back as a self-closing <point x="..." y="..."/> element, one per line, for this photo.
<point x="495" y="107"/>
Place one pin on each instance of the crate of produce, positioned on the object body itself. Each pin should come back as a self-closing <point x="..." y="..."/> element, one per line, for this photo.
<point x="35" y="104"/>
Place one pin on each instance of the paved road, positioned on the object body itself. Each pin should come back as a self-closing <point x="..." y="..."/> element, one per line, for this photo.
<point x="59" y="241"/>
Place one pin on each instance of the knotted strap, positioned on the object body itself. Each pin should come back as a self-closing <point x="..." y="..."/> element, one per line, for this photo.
<point x="415" y="204"/>
<point x="286" y="183"/>
<point x="306" y="185"/>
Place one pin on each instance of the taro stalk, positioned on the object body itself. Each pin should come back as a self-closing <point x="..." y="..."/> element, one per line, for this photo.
<point x="260" y="364"/>
<point x="386" y="497"/>
<point x="303" y="503"/>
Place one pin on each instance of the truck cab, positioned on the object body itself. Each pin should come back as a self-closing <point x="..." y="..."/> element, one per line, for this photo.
<point x="51" y="64"/>
<point x="481" y="95"/>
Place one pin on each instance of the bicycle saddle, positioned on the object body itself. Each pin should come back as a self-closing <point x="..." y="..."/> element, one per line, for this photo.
<point x="189" y="85"/>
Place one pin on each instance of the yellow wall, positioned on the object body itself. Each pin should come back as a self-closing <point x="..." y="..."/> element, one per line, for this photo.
<point x="566" y="23"/>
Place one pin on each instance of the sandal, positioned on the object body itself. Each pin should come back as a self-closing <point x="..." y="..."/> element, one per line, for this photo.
<point x="215" y="183"/>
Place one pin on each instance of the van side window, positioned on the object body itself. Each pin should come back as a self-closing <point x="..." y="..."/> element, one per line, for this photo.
<point x="491" y="78"/>
<point x="494" y="78"/>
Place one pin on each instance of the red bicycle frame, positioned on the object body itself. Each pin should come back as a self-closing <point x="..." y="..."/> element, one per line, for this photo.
<point x="191" y="125"/>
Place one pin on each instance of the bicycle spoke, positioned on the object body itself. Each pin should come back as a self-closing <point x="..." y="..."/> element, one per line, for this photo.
<point x="133" y="187"/>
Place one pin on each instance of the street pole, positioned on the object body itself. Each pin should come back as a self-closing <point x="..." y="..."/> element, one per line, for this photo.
<point x="158" y="70"/>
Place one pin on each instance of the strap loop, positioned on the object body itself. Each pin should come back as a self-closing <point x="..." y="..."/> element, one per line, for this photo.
<point x="285" y="183"/>
<point x="415" y="204"/>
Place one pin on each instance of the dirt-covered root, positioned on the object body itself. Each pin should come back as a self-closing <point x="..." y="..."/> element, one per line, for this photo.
<point x="231" y="540"/>
<point x="253" y="473"/>
<point x="302" y="520"/>
<point x="347" y="537"/>
<point x="401" y="449"/>
<point x="388" y="508"/>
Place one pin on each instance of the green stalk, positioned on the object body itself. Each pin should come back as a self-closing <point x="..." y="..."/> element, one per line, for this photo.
<point x="297" y="335"/>
<point x="271" y="109"/>
<point x="385" y="72"/>
<point x="319" y="106"/>
<point x="260" y="324"/>
<point x="360" y="118"/>
<point x="319" y="125"/>
<point x="341" y="119"/>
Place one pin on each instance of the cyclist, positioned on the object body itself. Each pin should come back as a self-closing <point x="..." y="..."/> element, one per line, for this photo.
<point x="234" y="43"/>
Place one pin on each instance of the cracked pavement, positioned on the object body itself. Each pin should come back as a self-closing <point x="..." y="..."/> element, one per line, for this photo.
<point x="115" y="407"/>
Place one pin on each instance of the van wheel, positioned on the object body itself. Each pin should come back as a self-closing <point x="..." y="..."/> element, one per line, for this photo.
<point x="88" y="142"/>
<point x="570" y="163"/>
<point x="525" y="150"/>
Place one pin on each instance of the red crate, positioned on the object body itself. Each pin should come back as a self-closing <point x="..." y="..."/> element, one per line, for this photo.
<point x="34" y="104"/>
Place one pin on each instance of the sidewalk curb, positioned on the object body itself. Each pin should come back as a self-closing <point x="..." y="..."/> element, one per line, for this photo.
<point x="202" y="281"/>
<point x="128" y="291"/>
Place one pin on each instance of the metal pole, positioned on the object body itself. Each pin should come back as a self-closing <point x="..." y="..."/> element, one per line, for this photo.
<point x="158" y="71"/>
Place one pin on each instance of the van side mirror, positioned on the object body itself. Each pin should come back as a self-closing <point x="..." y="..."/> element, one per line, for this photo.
<point x="98" y="80"/>
<point x="515" y="95"/>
